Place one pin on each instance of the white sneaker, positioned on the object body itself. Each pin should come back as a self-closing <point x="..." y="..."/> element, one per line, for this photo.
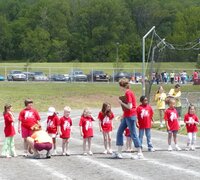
<point x="90" y="153"/>
<point x="177" y="148"/>
<point x="151" y="149"/>
<point x="84" y="154"/>
<point x="187" y="148"/>
<point x="161" y="125"/>
<point x="193" y="148"/>
<point x="67" y="153"/>
<point x="110" y="151"/>
<point x="138" y="156"/>
<point x="105" y="152"/>
<point x="54" y="153"/>
<point x="170" y="148"/>
<point x="117" y="155"/>
<point x="63" y="153"/>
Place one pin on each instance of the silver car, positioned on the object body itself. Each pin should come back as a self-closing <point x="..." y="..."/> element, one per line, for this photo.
<point x="16" y="75"/>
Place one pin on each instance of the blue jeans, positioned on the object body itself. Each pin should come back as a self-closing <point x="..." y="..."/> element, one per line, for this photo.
<point x="131" y="123"/>
<point x="148" y="136"/>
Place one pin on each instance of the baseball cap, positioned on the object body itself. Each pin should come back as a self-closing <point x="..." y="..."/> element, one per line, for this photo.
<point x="51" y="111"/>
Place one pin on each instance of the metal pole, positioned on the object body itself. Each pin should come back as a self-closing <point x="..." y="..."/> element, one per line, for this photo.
<point x="143" y="59"/>
<point x="117" y="54"/>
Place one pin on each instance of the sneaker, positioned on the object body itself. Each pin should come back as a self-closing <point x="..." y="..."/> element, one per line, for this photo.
<point x="48" y="155"/>
<point x="193" y="148"/>
<point x="161" y="125"/>
<point x="25" y="154"/>
<point x="138" y="156"/>
<point x="64" y="154"/>
<point x="8" y="156"/>
<point x="105" y="152"/>
<point x="170" y="148"/>
<point x="84" y="154"/>
<point x="177" y="148"/>
<point x="90" y="153"/>
<point x="110" y="151"/>
<point x="151" y="149"/>
<point x="187" y="148"/>
<point x="67" y="153"/>
<point x="36" y="156"/>
<point x="117" y="155"/>
<point x="14" y="155"/>
<point x="54" y="153"/>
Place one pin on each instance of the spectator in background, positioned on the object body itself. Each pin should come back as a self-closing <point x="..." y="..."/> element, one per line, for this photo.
<point x="195" y="75"/>
<point x="183" y="77"/>
<point x="158" y="77"/>
<point x="165" y="77"/>
<point x="172" y="74"/>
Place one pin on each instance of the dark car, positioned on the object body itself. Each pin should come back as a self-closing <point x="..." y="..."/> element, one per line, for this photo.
<point x="16" y="75"/>
<point x="58" y="77"/>
<point x="98" y="76"/>
<point x="121" y="75"/>
<point x="77" y="75"/>
<point x="29" y="76"/>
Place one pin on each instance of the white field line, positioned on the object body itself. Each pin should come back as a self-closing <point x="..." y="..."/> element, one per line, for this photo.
<point x="125" y="174"/>
<point x="51" y="171"/>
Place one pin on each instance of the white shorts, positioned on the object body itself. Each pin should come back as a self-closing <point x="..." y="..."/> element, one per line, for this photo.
<point x="52" y="135"/>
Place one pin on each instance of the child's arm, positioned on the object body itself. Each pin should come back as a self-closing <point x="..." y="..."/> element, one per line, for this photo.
<point x="100" y="128"/>
<point x="59" y="130"/>
<point x="19" y="126"/>
<point x="81" y="131"/>
<point x="167" y="125"/>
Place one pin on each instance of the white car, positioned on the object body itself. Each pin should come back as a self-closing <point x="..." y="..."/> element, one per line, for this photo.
<point x="40" y="76"/>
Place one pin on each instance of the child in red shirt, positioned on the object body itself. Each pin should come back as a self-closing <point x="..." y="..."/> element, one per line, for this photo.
<point x="105" y="124"/>
<point x="86" y="130"/>
<point x="8" y="149"/>
<point x="191" y="120"/>
<point x="172" y="124"/>
<point x="52" y="126"/>
<point x="65" y="130"/>
<point x="145" y="118"/>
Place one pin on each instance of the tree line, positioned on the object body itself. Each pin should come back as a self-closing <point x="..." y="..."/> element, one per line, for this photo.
<point x="92" y="30"/>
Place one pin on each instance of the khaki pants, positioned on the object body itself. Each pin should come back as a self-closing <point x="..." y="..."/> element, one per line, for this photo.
<point x="8" y="147"/>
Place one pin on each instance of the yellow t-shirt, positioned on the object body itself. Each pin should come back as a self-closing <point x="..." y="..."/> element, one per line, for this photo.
<point x="160" y="100"/>
<point x="177" y="96"/>
<point x="41" y="137"/>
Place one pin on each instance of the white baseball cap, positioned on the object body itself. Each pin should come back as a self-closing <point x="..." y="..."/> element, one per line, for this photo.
<point x="51" y="111"/>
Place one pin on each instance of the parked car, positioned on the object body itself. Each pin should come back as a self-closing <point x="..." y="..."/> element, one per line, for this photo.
<point x="66" y="76"/>
<point x="29" y="76"/>
<point x="120" y="75"/>
<point x="16" y="75"/>
<point x="2" y="78"/>
<point x="98" y="75"/>
<point x="40" y="76"/>
<point x="77" y="75"/>
<point x="137" y="77"/>
<point x="57" y="77"/>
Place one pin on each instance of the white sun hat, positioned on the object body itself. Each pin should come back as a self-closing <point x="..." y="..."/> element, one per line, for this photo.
<point x="51" y="111"/>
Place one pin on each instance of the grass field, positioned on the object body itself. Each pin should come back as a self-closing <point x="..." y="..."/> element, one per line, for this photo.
<point x="64" y="68"/>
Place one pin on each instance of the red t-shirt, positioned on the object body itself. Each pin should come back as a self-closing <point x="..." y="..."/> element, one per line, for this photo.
<point x="86" y="124"/>
<point x="65" y="126"/>
<point x="9" y="129"/>
<point x="106" y="121"/>
<point x="191" y="118"/>
<point x="130" y="98"/>
<point x="171" y="116"/>
<point x="127" y="132"/>
<point x="144" y="115"/>
<point x="195" y="75"/>
<point x="28" y="117"/>
<point x="52" y="124"/>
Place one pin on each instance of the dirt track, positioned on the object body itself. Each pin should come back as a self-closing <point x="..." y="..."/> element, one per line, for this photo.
<point x="156" y="165"/>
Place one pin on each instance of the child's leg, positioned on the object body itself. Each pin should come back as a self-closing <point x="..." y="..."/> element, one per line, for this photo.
<point x="12" y="147"/>
<point x="193" y="140"/>
<point x="129" y="143"/>
<point x="63" y="146"/>
<point x="84" y="145"/>
<point x="67" y="146"/>
<point x="169" y="138"/>
<point x="54" y="143"/>
<point x="189" y="140"/>
<point x="148" y="136"/>
<point x="175" y="137"/>
<point x="161" y="115"/>
<point x="5" y="147"/>
<point x="25" y="146"/>
<point x="141" y="134"/>
<point x="105" y="140"/>
<point x="109" y="140"/>
<point x="89" y="143"/>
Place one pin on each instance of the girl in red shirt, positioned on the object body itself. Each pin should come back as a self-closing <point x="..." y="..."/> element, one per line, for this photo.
<point x="105" y="124"/>
<point x="145" y="118"/>
<point x="8" y="149"/>
<point x="128" y="140"/>
<point x="191" y="120"/>
<point x="172" y="124"/>
<point x="52" y="126"/>
<point x="65" y="130"/>
<point x="86" y="130"/>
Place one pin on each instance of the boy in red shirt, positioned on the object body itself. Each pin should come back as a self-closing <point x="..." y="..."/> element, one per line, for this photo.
<point x="172" y="124"/>
<point x="65" y="130"/>
<point x="191" y="120"/>
<point x="145" y="118"/>
<point x="52" y="126"/>
<point x="27" y="118"/>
